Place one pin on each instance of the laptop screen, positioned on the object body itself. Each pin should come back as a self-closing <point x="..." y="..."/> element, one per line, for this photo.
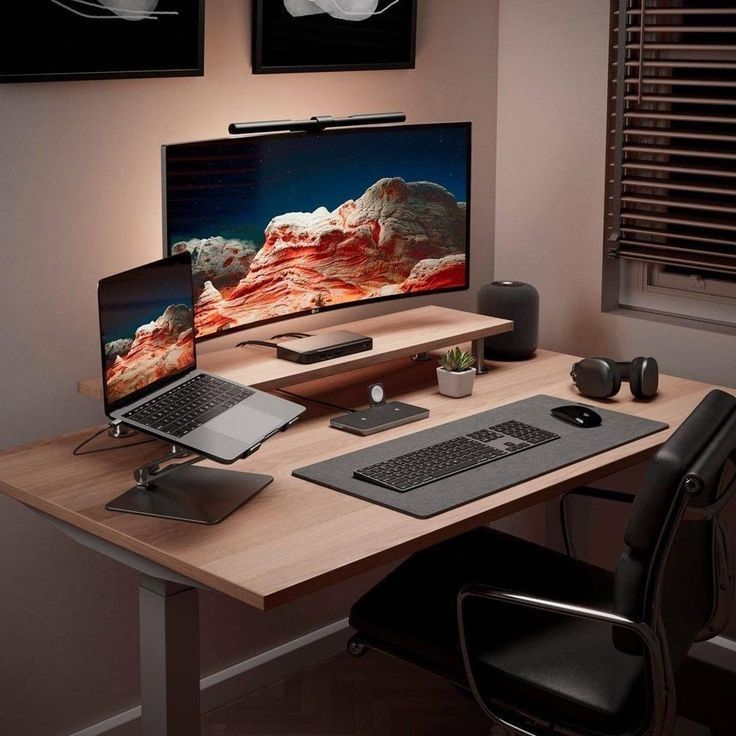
<point x="146" y="329"/>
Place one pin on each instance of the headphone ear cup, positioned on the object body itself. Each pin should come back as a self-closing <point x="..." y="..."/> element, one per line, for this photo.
<point x="644" y="377"/>
<point x="598" y="378"/>
<point x="635" y="377"/>
<point x="615" y="378"/>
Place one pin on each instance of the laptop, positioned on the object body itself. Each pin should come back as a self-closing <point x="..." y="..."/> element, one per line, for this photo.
<point x="149" y="368"/>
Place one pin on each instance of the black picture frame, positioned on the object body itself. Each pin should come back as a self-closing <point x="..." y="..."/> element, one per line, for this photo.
<point x="59" y="40"/>
<point x="321" y="43"/>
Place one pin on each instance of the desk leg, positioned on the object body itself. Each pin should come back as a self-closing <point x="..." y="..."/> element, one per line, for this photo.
<point x="169" y="633"/>
<point x="478" y="347"/>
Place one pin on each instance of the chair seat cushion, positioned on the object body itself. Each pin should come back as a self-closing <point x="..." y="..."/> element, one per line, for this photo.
<point x="561" y="669"/>
<point x="568" y="672"/>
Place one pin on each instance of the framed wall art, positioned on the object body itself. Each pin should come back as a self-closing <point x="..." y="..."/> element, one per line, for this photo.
<point x="49" y="40"/>
<point x="333" y="35"/>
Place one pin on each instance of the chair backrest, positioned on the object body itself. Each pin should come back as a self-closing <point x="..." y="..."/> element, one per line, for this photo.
<point x="669" y="573"/>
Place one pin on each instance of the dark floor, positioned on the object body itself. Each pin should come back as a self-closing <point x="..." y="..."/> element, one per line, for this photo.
<point x="376" y="695"/>
<point x="343" y="696"/>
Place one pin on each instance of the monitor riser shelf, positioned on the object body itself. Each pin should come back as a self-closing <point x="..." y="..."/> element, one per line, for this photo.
<point x="400" y="334"/>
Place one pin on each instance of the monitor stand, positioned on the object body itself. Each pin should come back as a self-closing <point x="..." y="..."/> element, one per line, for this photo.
<point x="184" y="493"/>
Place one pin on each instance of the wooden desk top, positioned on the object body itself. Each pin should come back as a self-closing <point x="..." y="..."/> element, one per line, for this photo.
<point x="296" y="537"/>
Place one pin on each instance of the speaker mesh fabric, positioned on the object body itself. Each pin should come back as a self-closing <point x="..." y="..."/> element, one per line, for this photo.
<point x="516" y="301"/>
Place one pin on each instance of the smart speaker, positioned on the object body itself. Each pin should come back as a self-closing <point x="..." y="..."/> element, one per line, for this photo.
<point x="519" y="302"/>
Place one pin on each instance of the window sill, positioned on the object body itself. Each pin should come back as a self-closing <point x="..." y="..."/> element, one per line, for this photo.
<point x="669" y="319"/>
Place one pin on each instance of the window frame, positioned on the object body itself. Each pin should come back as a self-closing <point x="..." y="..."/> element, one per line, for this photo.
<point x="646" y="286"/>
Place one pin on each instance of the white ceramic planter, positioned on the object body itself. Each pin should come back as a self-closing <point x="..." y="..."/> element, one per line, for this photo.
<point x="455" y="384"/>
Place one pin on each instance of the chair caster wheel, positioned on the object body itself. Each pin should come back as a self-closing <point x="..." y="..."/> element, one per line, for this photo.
<point x="356" y="647"/>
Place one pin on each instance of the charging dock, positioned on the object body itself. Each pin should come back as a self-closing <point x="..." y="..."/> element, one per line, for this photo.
<point x="323" y="347"/>
<point x="379" y="418"/>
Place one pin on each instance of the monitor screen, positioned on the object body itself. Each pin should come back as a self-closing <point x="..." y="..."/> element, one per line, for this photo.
<point x="286" y="224"/>
<point x="146" y="329"/>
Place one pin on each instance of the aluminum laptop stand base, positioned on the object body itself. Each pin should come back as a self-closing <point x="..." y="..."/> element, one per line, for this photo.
<point x="184" y="493"/>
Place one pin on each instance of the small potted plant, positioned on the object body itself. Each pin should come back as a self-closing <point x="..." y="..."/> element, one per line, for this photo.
<point x="456" y="374"/>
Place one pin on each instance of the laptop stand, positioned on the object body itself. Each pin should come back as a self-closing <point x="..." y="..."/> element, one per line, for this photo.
<point x="182" y="492"/>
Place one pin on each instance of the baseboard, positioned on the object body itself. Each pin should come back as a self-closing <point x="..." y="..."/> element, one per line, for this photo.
<point x="244" y="677"/>
<point x="263" y="669"/>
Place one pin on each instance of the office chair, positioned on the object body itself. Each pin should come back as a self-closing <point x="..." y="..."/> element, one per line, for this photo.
<point x="549" y="644"/>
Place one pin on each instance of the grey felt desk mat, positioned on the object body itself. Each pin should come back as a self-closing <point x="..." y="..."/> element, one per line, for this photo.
<point x="575" y="444"/>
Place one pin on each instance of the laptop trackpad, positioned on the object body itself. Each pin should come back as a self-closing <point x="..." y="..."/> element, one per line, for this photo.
<point x="245" y="423"/>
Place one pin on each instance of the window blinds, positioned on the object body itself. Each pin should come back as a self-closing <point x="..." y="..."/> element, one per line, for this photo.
<point x="671" y="182"/>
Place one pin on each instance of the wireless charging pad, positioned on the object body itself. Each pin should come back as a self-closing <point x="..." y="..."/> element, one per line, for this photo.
<point x="378" y="418"/>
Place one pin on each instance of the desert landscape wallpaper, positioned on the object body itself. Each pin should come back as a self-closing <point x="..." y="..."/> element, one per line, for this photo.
<point x="147" y="326"/>
<point x="160" y="348"/>
<point x="282" y="225"/>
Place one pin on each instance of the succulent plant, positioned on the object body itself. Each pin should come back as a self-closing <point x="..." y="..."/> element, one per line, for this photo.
<point x="457" y="360"/>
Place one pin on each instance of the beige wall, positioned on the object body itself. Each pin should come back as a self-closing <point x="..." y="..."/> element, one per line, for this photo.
<point x="80" y="199"/>
<point x="80" y="187"/>
<point x="550" y="189"/>
<point x="552" y="65"/>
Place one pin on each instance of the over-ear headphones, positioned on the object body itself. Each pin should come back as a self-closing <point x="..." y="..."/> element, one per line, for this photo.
<point x="601" y="378"/>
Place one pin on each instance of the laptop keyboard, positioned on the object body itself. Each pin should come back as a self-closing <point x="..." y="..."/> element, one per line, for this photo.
<point x="189" y="405"/>
<point x="441" y="460"/>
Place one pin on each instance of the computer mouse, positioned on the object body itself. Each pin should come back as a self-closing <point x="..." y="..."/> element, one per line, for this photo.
<point x="580" y="416"/>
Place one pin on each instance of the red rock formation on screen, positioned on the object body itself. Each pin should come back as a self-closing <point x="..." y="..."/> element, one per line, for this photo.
<point x="435" y="273"/>
<point x="223" y="262"/>
<point x="160" y="348"/>
<point x="117" y="347"/>
<point x="365" y="248"/>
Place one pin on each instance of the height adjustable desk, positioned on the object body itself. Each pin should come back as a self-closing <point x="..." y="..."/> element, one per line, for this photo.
<point x="294" y="537"/>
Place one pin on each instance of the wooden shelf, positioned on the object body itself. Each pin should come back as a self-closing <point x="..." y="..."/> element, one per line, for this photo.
<point x="394" y="336"/>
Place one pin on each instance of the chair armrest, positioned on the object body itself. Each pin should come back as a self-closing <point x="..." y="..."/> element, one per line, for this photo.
<point x="588" y="492"/>
<point x="661" y="679"/>
<point x="706" y="513"/>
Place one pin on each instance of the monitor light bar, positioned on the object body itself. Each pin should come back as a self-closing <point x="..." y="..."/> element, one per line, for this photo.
<point x="317" y="123"/>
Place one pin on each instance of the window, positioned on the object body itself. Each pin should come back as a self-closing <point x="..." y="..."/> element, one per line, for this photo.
<point x="671" y="175"/>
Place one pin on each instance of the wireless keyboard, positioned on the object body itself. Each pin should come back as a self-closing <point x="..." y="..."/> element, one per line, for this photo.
<point x="435" y="462"/>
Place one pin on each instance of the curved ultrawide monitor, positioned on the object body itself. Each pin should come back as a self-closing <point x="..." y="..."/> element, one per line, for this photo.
<point x="290" y="224"/>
